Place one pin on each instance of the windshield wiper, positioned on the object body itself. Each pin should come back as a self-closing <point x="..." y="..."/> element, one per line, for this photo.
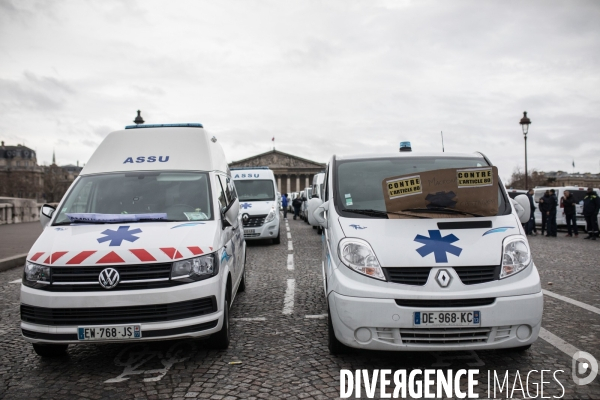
<point x="383" y="214"/>
<point x="442" y="210"/>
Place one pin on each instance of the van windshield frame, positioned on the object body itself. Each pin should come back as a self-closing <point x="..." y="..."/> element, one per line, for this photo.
<point x="141" y="192"/>
<point x="504" y="207"/>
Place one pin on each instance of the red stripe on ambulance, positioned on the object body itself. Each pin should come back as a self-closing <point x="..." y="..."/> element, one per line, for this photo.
<point x="111" y="257"/>
<point x="195" y="250"/>
<point x="36" y="256"/>
<point x="171" y="252"/>
<point x="51" y="259"/>
<point x="79" y="258"/>
<point x="142" y="254"/>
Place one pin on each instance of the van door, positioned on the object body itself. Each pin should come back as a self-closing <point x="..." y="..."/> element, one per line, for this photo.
<point x="232" y="251"/>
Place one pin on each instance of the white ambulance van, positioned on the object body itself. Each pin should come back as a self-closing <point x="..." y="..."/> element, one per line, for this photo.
<point x="428" y="278"/>
<point x="257" y="191"/>
<point x="578" y="195"/>
<point x="146" y="245"/>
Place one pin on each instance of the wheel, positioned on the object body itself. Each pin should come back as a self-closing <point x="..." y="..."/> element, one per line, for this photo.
<point x="335" y="346"/>
<point x="220" y="340"/>
<point x="314" y="227"/>
<point x="242" y="286"/>
<point x="277" y="240"/>
<point x="319" y="230"/>
<point x="50" y="350"/>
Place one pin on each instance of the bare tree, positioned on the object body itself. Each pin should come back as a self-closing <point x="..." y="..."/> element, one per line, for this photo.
<point x="517" y="179"/>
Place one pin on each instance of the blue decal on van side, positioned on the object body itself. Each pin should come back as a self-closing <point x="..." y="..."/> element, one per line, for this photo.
<point x="188" y="224"/>
<point x="499" y="229"/>
<point x="357" y="226"/>
<point x="246" y="206"/>
<point x="117" y="237"/>
<point x="438" y="245"/>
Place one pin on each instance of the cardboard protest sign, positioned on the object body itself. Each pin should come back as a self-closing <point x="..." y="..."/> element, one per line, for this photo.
<point x="472" y="190"/>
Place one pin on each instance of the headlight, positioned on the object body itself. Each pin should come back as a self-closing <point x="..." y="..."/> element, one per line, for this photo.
<point x="271" y="216"/>
<point x="358" y="255"/>
<point x="36" y="274"/>
<point x="515" y="256"/>
<point x="196" y="269"/>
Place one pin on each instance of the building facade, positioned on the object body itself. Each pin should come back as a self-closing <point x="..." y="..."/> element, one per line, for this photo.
<point x="292" y="173"/>
<point x="20" y="174"/>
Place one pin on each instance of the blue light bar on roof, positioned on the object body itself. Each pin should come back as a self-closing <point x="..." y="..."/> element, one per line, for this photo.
<point x="188" y="125"/>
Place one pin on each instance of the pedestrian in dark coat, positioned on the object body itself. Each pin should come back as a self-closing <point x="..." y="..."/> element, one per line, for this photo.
<point x="530" y="226"/>
<point x="591" y="206"/>
<point x="553" y="203"/>
<point x="297" y="203"/>
<point x="568" y="204"/>
<point x="544" y="205"/>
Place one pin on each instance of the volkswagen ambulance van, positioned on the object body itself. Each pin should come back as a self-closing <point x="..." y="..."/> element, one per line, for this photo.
<point x="146" y="244"/>
<point x="257" y="191"/>
<point x="425" y="252"/>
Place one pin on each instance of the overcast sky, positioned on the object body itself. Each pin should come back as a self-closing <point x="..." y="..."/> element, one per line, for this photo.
<point x="322" y="77"/>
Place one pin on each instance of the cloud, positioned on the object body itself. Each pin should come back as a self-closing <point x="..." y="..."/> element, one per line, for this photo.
<point x="34" y="93"/>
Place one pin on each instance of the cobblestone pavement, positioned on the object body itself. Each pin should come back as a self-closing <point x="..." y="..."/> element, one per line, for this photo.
<point x="284" y="355"/>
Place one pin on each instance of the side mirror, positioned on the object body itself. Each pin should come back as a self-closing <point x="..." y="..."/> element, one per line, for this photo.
<point x="230" y="214"/>
<point x="522" y="207"/>
<point x="319" y="214"/>
<point x="46" y="212"/>
<point x="311" y="207"/>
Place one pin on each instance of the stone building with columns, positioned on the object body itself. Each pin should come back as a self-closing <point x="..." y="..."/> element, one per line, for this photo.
<point x="292" y="173"/>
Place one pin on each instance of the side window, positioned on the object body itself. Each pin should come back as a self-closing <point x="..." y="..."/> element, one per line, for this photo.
<point x="222" y="197"/>
<point x="230" y="191"/>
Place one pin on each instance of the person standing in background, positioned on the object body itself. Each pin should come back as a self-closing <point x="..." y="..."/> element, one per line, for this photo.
<point x="530" y="226"/>
<point x="553" y="202"/>
<point x="284" y="204"/>
<point x="297" y="203"/>
<point x="543" y="204"/>
<point x="568" y="203"/>
<point x="591" y="206"/>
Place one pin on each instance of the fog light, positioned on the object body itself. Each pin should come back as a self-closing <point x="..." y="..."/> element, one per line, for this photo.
<point x="363" y="335"/>
<point x="523" y="332"/>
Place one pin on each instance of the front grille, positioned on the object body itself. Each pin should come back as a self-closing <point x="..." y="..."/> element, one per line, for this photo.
<point x="118" y="315"/>
<point x="254" y="221"/>
<point x="132" y="277"/>
<point x="250" y="235"/>
<point x="454" y="303"/>
<point x="478" y="274"/>
<point x="441" y="336"/>
<point x="408" y="275"/>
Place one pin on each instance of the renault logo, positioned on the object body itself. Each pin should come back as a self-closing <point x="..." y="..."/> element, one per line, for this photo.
<point x="245" y="218"/>
<point x="443" y="278"/>
<point x="109" y="278"/>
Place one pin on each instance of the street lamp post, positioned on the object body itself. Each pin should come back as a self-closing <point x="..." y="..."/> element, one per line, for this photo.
<point x="525" y="122"/>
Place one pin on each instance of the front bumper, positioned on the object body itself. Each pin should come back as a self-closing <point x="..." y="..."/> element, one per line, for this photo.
<point x="43" y="305"/>
<point x="380" y="324"/>
<point x="267" y="231"/>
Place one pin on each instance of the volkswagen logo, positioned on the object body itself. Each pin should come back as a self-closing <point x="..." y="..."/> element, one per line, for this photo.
<point x="443" y="278"/>
<point x="245" y="218"/>
<point x="109" y="278"/>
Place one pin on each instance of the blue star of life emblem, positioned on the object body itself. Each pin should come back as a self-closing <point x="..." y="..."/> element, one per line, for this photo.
<point x="358" y="227"/>
<point x="245" y="206"/>
<point x="117" y="237"/>
<point x="438" y="245"/>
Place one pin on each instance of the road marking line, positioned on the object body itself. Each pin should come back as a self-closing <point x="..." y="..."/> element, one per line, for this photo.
<point x="559" y="343"/>
<point x="288" y="300"/>
<point x="287" y="228"/>
<point x="250" y="319"/>
<point x="16" y="281"/>
<point x="290" y="262"/>
<point x="318" y="316"/>
<point x="290" y="246"/>
<point x="289" y="235"/>
<point x="574" y="302"/>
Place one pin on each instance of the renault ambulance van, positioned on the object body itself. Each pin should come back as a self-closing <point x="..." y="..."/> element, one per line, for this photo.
<point x="146" y="244"/>
<point x="426" y="252"/>
<point x="257" y="191"/>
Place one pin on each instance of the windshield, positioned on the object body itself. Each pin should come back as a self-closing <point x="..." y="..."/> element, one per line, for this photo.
<point x="255" y="190"/>
<point x="182" y="196"/>
<point x="358" y="182"/>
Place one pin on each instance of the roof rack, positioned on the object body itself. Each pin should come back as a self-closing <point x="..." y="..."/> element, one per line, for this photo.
<point x="240" y="168"/>
<point x="184" y="125"/>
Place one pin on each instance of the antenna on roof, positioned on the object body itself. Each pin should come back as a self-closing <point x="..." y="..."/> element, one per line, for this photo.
<point x="442" y="133"/>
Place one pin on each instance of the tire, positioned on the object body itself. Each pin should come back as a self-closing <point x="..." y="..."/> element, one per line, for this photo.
<point x="319" y="230"/>
<point x="242" y="285"/>
<point x="220" y="340"/>
<point x="314" y="227"/>
<point x="50" y="350"/>
<point x="277" y="240"/>
<point x="334" y="345"/>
